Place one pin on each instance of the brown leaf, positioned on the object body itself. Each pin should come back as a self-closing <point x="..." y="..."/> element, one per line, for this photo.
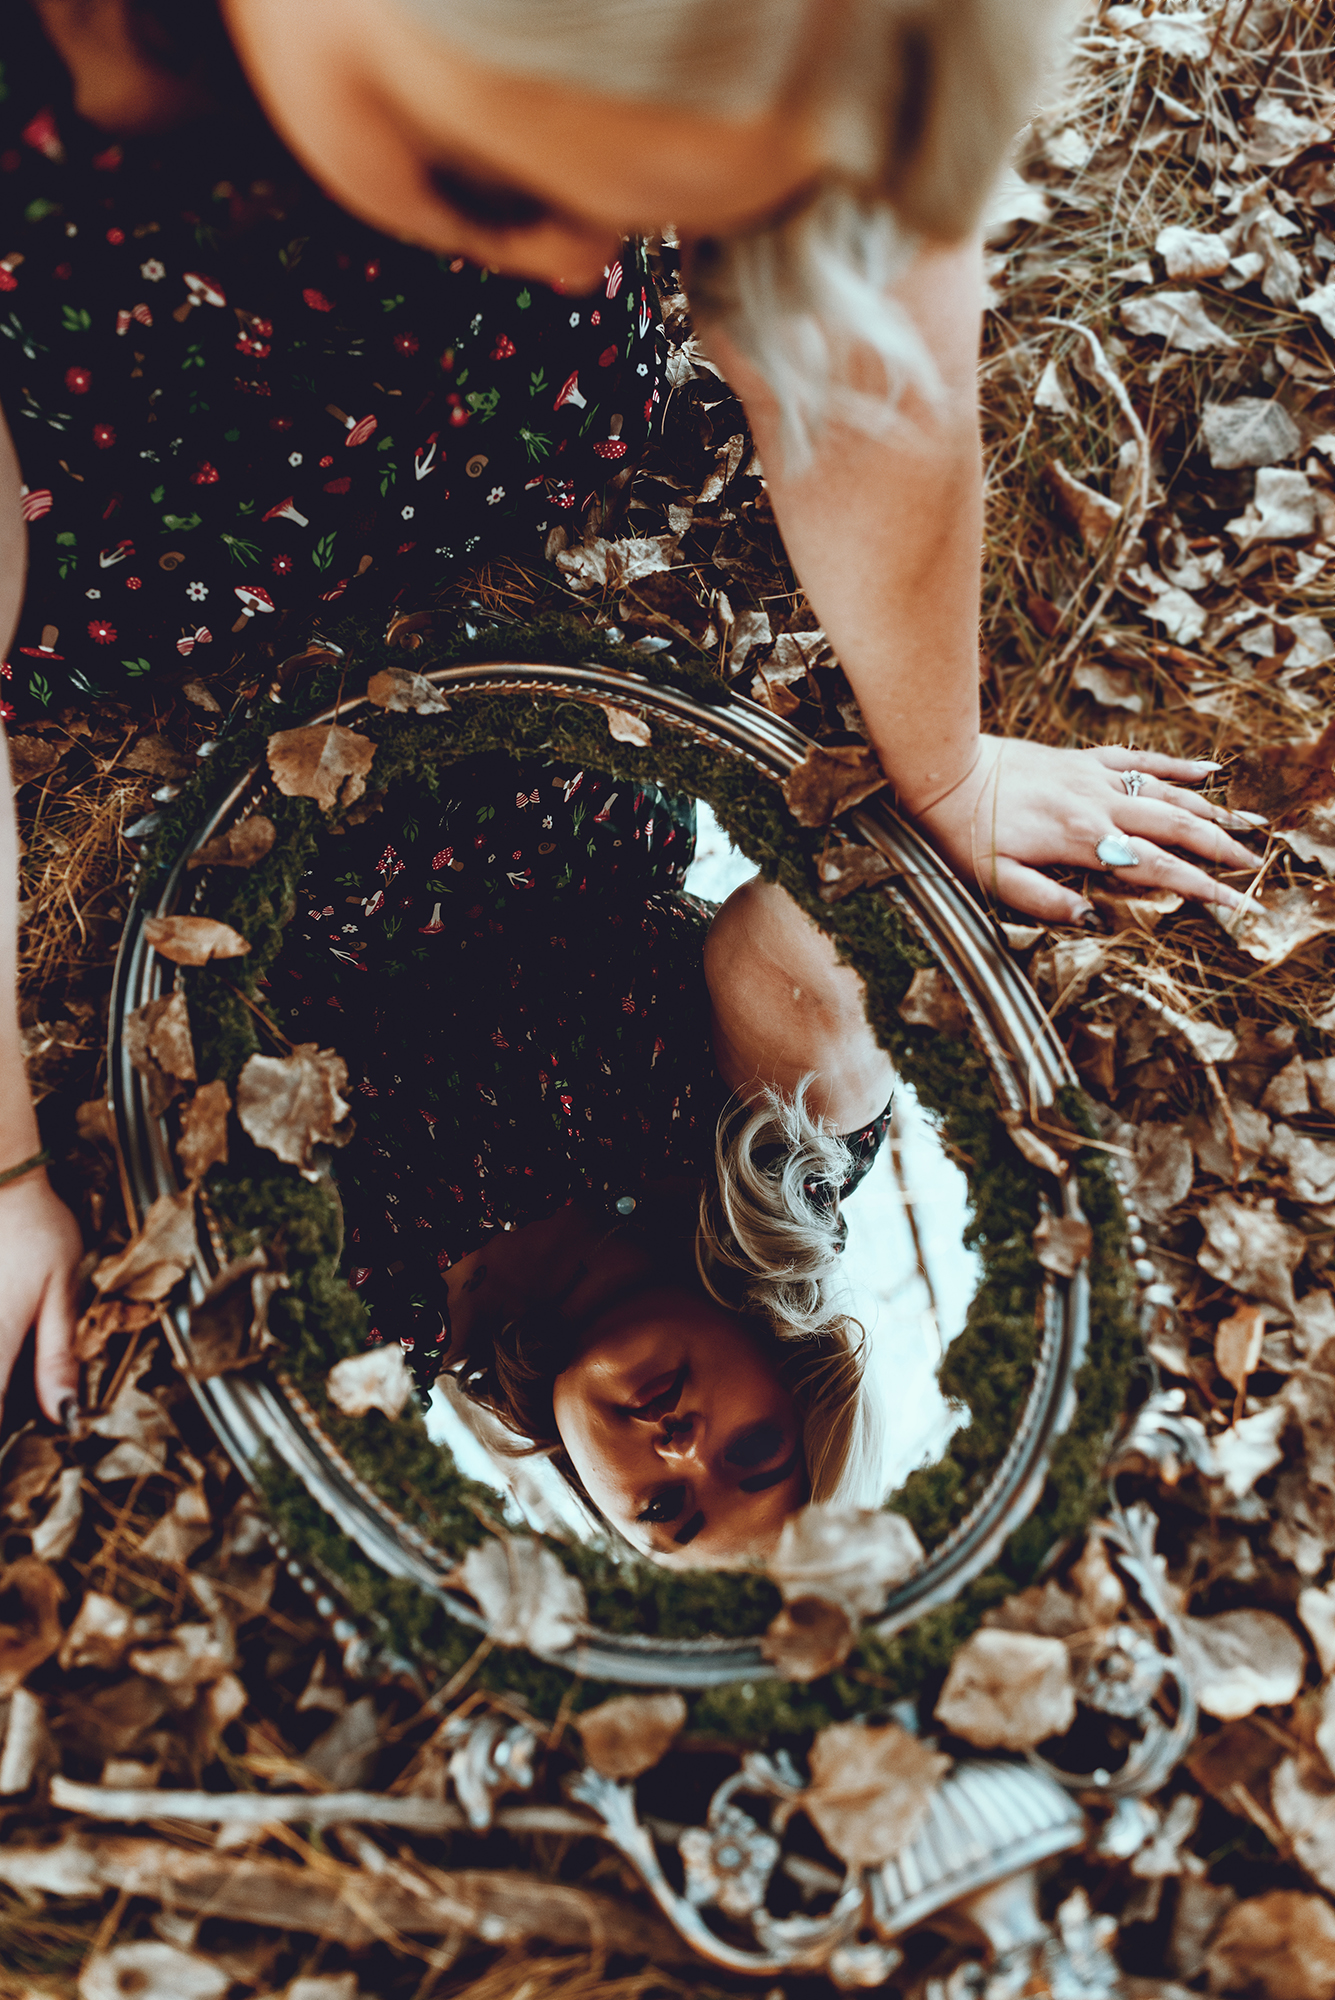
<point x="229" y="1328"/>
<point x="1111" y="687"/>
<point x="829" y="782"/>
<point x="193" y="940"/>
<point x="30" y="1629"/>
<point x="1274" y="930"/>
<point x="54" y="1533"/>
<point x="191" y="1656"/>
<point x="809" y="1638"/>
<point x="1308" y="1163"/>
<point x="104" y="1319"/>
<point x="151" y="1970"/>
<point x="376" y="1380"/>
<point x="157" y="758"/>
<point x="405" y="692"/>
<point x="1304" y="1805"/>
<point x="1252" y="1249"/>
<point x="1062" y="1243"/>
<point x="26" y="1471"/>
<point x="934" y="1000"/>
<point x="631" y="1733"/>
<point x="1280" y="1946"/>
<point x="157" y="1041"/>
<point x="203" y="1140"/>
<point x="292" y="1104"/>
<point x="1094" y="515"/>
<point x="1179" y="319"/>
<point x="626" y="726"/>
<point x="870" y="1791"/>
<point x="322" y="761"/>
<point x="1237" y="1347"/>
<point x="157" y="1255"/>
<point x="1162" y="1173"/>
<point x="32" y="757"/>
<point x="1240" y="1661"/>
<point x="1284" y="780"/>
<point x="240" y="847"/>
<point x="847" y="1556"/>
<point x="1008" y="1691"/>
<point x="102" y="1631"/>
<point x="848" y="866"/>
<point x="524" y="1593"/>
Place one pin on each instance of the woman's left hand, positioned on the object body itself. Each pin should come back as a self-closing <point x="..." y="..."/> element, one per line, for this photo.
<point x="1025" y="807"/>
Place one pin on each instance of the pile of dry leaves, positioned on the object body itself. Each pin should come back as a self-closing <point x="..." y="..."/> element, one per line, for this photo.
<point x="1161" y="570"/>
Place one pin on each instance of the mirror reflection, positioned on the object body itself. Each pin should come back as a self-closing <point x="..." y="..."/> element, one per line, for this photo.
<point x="669" y="1249"/>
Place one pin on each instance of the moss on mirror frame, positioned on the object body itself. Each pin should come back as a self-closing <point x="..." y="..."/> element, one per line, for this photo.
<point x="989" y="1365"/>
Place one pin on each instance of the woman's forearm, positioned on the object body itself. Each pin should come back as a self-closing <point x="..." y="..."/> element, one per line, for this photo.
<point x="18" y="1123"/>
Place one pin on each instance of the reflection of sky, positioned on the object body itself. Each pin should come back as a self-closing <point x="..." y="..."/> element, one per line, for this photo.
<point x="910" y="1318"/>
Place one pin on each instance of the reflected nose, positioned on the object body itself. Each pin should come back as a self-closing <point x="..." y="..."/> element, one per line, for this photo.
<point x="679" y="1436"/>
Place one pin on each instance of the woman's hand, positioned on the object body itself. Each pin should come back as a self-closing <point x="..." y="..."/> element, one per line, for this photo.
<point x="40" y="1247"/>
<point x="1025" y="807"/>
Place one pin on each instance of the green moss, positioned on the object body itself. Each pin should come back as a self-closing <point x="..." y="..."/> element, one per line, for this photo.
<point x="989" y="1367"/>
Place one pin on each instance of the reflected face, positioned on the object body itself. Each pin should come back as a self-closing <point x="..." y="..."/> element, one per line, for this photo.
<point x="674" y="1418"/>
<point x="538" y="180"/>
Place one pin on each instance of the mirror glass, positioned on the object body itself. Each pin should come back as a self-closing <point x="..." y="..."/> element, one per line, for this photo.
<point x="670" y="1249"/>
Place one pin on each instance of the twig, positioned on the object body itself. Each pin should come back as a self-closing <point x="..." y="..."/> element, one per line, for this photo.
<point x="258" y="1809"/>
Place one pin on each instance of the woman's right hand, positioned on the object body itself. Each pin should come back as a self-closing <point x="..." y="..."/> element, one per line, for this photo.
<point x="40" y="1248"/>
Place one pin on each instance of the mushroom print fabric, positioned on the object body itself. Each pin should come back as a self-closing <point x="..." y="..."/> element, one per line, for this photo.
<point x="232" y="403"/>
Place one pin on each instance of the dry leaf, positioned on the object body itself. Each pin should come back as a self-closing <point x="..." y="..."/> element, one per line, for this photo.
<point x="322" y="761"/>
<point x="1192" y="253"/>
<point x="1162" y="1173"/>
<point x="376" y="1380"/>
<point x="240" y="847"/>
<point x="1274" y="930"/>
<point x="31" y="1630"/>
<point x="1112" y="687"/>
<point x="193" y="940"/>
<point x="600" y="564"/>
<point x="229" y="1328"/>
<point x="625" y="726"/>
<point x="1062" y="1243"/>
<point x="1310" y="1395"/>
<point x="1179" y="319"/>
<point x="189" y="1658"/>
<point x="1321" y="304"/>
<point x="1237" y="1346"/>
<point x="405" y="692"/>
<point x="157" y="1041"/>
<point x="1280" y="1946"/>
<point x="871" y="1789"/>
<point x="1316" y="1608"/>
<point x="1187" y="37"/>
<point x="1252" y="1249"/>
<point x="1304" y="1805"/>
<point x="1250" y="431"/>
<point x="1251" y="1447"/>
<point x="524" y="1594"/>
<point x="1232" y="1142"/>
<point x="1282" y="509"/>
<point x="158" y="1255"/>
<point x="182" y="1530"/>
<point x="1287" y="1095"/>
<point x="1093" y="513"/>
<point x="808" y="1639"/>
<point x="151" y="1970"/>
<point x="28" y="1468"/>
<point x="1309" y="1165"/>
<point x="32" y="757"/>
<point x="1240" y="1661"/>
<point x="292" y="1104"/>
<point x="829" y="782"/>
<point x="203" y="1140"/>
<point x="631" y="1733"/>
<point x="1008" y="1691"/>
<point x="933" y="1000"/>
<point x="106" y="1318"/>
<point x="848" y="866"/>
<point x="54" y="1534"/>
<point x="847" y="1556"/>
<point x="102" y="1633"/>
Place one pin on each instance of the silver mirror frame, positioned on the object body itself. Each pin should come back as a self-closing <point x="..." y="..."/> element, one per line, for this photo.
<point x="258" y="1416"/>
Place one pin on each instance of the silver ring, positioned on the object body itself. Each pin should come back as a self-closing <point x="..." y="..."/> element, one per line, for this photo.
<point x="1133" y="780"/>
<point x="1116" y="851"/>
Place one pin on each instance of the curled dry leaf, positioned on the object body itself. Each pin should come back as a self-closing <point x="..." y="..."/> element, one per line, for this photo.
<point x="1162" y="1172"/>
<point x="158" y="1255"/>
<point x="107" y="1317"/>
<point x="1308" y="1164"/>
<point x="102" y="1633"/>
<point x="1303" y="1803"/>
<point x="1274" y="930"/>
<point x="30" y="1631"/>
<point x="809" y="1638"/>
<point x="229" y="1328"/>
<point x="1237" y="1345"/>
<point x="190" y="1657"/>
<point x="631" y="1733"/>
<point x="1280" y="1946"/>
<point x="870" y="1790"/>
<point x="1062" y="1243"/>
<point x="404" y="692"/>
<point x="1282" y="509"/>
<point x="240" y="847"/>
<point x="1250" y="431"/>
<point x="1008" y="1691"/>
<point x="26" y="1471"/>
<point x="322" y="761"/>
<point x="1192" y="253"/>
<point x="1179" y="319"/>
<point x="1093" y="513"/>
<point x="203" y="1139"/>
<point x="524" y="1594"/>
<point x="376" y="1380"/>
<point x="846" y="1556"/>
<point x="1240" y="1661"/>
<point x="157" y="1041"/>
<point x="1252" y="1249"/>
<point x="848" y="866"/>
<point x="193" y="940"/>
<point x="626" y="726"/>
<point x="151" y="1970"/>
<point x="292" y="1104"/>
<point x="54" y="1534"/>
<point x="829" y="782"/>
<point x="933" y="1000"/>
<point x="1111" y="687"/>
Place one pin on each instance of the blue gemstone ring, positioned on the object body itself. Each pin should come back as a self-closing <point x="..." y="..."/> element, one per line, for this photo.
<point x="1116" y="851"/>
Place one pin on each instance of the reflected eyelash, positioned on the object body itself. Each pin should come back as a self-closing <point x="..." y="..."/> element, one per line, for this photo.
<point x="760" y="1482"/>
<point x="490" y="206"/>
<point x="690" y="1531"/>
<point x="665" y="1499"/>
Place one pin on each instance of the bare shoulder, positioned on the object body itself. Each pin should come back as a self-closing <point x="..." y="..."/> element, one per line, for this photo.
<point x="13" y="537"/>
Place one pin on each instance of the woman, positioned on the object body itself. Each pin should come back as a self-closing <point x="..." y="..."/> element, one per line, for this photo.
<point x="825" y="170"/>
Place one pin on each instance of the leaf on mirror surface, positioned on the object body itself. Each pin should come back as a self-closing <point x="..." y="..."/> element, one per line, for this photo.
<point x="1250" y="431"/>
<point x="321" y="761"/>
<point x="1179" y="319"/>
<point x="1094" y="515"/>
<point x="229" y="1328"/>
<point x="30" y="1630"/>
<point x="158" y="1255"/>
<point x="292" y="1104"/>
<point x="809" y="1638"/>
<point x="55" y="1532"/>
<point x="625" y="726"/>
<point x="1192" y="253"/>
<point x="1282" y="509"/>
<point x="933" y="1000"/>
<point x="829" y="782"/>
<point x="1008" y="1690"/>
<point x="524" y="1594"/>
<point x="1252" y="1249"/>
<point x="631" y="1733"/>
<point x="1303" y="1803"/>
<point x="27" y="1469"/>
<point x="1280" y="1946"/>
<point x="193" y="940"/>
<point x="376" y="1380"/>
<point x="1274" y="930"/>
<point x="1237" y="1346"/>
<point x="1062" y="1243"/>
<point x="157" y="1041"/>
<point x="1240" y="1661"/>
<point x="870" y="1791"/>
<point x="405" y="692"/>
<point x="151" y="1970"/>
<point x="203" y="1139"/>
<point x="107" y="1317"/>
<point x="240" y="847"/>
<point x="849" y="866"/>
<point x="1037" y="1151"/>
<point x="1111" y="687"/>
<point x="847" y="1556"/>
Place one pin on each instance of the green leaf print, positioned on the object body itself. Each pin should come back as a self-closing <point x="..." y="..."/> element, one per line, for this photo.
<point x="136" y="669"/>
<point x="39" y="687"/>
<point x="537" y="382"/>
<point x="536" y="443"/>
<point x="392" y="305"/>
<point x="77" y="319"/>
<point x="385" y="444"/>
<point x="67" y="538"/>
<point x="245" y="506"/>
<point x="194" y="356"/>
<point x="181" y="524"/>
<point x="37" y="211"/>
<point x="158" y="495"/>
<point x="242" y="552"/>
<point x="389" y="472"/>
<point x="524" y="299"/>
<point x="322" y="555"/>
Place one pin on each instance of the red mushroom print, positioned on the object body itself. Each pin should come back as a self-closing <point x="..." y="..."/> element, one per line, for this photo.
<point x="8" y="266"/>
<point x="41" y="133"/>
<point x="201" y="291"/>
<point x="614" y="278"/>
<point x="36" y="502"/>
<point x="205" y="474"/>
<point x="188" y="641"/>
<point x="141" y="315"/>
<point x="358" y="428"/>
<point x="123" y="321"/>
<point x="570" y="394"/>
<point x="286" y="511"/>
<point x="434" y="928"/>
<point x="253" y="598"/>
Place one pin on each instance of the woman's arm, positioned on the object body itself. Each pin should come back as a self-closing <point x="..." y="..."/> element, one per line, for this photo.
<point x="783" y="1005"/>
<point x="886" y="534"/>
<point x="39" y="1238"/>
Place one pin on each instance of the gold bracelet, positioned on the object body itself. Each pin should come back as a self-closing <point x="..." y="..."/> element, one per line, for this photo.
<point x="916" y="812"/>
<point x="42" y="1159"/>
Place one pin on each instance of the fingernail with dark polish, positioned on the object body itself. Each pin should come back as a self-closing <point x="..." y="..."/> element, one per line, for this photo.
<point x="1087" y="916"/>
<point x="71" y="1416"/>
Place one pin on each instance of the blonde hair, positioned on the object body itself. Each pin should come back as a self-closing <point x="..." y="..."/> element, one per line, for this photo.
<point x="918" y="102"/>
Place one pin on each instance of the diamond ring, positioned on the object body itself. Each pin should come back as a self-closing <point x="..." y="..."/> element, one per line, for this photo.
<point x="1116" y="851"/>
<point x="1133" y="780"/>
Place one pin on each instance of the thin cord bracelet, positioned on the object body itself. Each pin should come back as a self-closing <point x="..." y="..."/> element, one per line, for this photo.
<point x="42" y="1159"/>
<point x="917" y="811"/>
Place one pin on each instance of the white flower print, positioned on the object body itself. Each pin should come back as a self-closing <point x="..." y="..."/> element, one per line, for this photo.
<point x="475" y="323"/>
<point x="408" y="513"/>
<point x="574" y="319"/>
<point x="71" y="228"/>
<point x="643" y="368"/>
<point x="294" y="458"/>
<point x="196" y="592"/>
<point x="94" y="594"/>
<point x="496" y="493"/>
<point x="153" y="270"/>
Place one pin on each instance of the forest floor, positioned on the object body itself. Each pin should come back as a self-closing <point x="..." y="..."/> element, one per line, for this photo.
<point x="1160" y="409"/>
